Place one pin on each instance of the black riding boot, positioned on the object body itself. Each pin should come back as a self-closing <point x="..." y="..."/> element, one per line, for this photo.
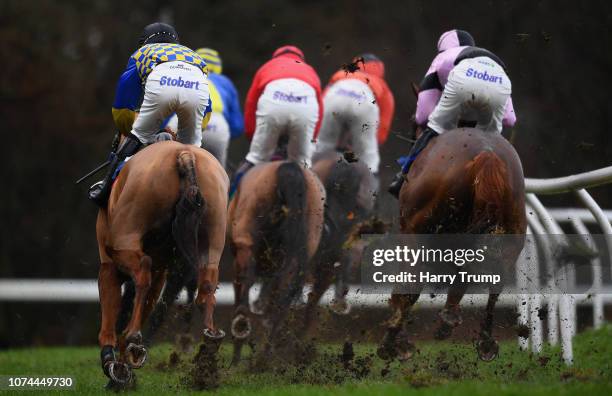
<point x="99" y="192"/>
<point x="417" y="147"/>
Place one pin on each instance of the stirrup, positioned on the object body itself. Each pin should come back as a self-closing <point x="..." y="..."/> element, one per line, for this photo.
<point x="98" y="195"/>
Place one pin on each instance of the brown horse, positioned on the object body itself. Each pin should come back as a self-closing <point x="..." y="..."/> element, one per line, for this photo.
<point x="351" y="194"/>
<point x="465" y="181"/>
<point x="275" y="224"/>
<point x="168" y="196"/>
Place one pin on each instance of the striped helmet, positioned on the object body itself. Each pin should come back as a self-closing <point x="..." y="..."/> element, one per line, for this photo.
<point x="212" y="59"/>
<point x="455" y="38"/>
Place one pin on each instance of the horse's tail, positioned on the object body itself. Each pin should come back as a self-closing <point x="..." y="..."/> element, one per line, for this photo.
<point x="189" y="209"/>
<point x="291" y="191"/>
<point x="491" y="191"/>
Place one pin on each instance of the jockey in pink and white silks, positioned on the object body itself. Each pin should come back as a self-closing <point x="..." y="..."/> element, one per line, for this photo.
<point x="466" y="83"/>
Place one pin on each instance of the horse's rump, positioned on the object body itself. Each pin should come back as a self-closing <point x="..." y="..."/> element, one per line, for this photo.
<point x="273" y="197"/>
<point x="465" y="180"/>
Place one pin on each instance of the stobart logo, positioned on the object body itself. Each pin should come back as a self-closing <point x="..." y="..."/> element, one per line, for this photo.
<point x="178" y="82"/>
<point x="483" y="75"/>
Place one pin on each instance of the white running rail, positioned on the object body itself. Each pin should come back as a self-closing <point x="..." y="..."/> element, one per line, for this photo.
<point x="561" y="309"/>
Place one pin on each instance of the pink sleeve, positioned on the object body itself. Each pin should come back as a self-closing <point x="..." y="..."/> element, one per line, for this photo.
<point x="426" y="102"/>
<point x="509" y="118"/>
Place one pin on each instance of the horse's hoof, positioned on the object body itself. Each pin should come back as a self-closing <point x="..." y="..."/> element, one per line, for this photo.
<point x="241" y="327"/>
<point x="136" y="355"/>
<point x="488" y="349"/>
<point x="214" y="335"/>
<point x="340" y="307"/>
<point x="405" y="348"/>
<point x="118" y="372"/>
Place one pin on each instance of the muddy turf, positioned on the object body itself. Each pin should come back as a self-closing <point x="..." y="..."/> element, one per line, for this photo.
<point x="437" y="368"/>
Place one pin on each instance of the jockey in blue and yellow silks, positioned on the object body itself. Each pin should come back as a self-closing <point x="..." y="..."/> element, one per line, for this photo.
<point x="162" y="77"/>
<point x="226" y="120"/>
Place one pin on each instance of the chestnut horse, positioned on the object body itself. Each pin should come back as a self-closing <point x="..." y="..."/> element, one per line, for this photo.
<point x="275" y="224"/>
<point x="464" y="181"/>
<point x="167" y="196"/>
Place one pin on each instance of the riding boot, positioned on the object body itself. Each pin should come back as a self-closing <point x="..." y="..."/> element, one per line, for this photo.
<point x="99" y="192"/>
<point x="417" y="147"/>
<point x="242" y="169"/>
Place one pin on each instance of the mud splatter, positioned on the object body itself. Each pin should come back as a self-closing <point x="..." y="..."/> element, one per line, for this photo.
<point x="205" y="373"/>
<point x="347" y="354"/>
<point x="174" y="359"/>
<point x="522" y="331"/>
<point x="184" y="343"/>
<point x="352" y="67"/>
<point x="582" y="375"/>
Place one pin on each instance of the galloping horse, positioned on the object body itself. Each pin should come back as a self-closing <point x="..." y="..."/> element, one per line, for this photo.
<point x="275" y="224"/>
<point x="465" y="181"/>
<point x="168" y="196"/>
<point x="351" y="194"/>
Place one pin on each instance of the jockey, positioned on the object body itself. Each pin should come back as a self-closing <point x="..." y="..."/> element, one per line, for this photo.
<point x="284" y="98"/>
<point x="463" y="82"/>
<point x="161" y="77"/>
<point x="360" y="103"/>
<point x="226" y="118"/>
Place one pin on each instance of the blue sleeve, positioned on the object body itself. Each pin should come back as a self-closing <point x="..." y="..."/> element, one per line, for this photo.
<point x="209" y="107"/>
<point x="231" y="109"/>
<point x="129" y="89"/>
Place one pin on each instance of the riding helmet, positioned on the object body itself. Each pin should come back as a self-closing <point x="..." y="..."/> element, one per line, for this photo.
<point x="455" y="38"/>
<point x="158" y="32"/>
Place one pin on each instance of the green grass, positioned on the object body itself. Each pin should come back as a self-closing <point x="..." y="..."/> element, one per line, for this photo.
<point x="440" y="368"/>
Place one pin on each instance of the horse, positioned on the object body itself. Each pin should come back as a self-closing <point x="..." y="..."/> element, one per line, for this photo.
<point x="351" y="193"/>
<point x="168" y="197"/>
<point x="464" y="181"/>
<point x="274" y="228"/>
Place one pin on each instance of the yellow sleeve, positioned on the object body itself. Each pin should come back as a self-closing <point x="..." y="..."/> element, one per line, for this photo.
<point x="205" y="120"/>
<point x="124" y="118"/>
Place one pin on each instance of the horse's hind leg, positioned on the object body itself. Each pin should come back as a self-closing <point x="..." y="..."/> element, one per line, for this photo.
<point x="184" y="338"/>
<point x="450" y="315"/>
<point x="244" y="278"/>
<point x="395" y="342"/>
<point x="127" y="304"/>
<point x="343" y="274"/>
<point x="323" y="279"/>
<point x="211" y="243"/>
<point x="109" y="286"/>
<point x="290" y="281"/>
<point x="259" y="305"/>
<point x="138" y="266"/>
<point x="174" y="284"/>
<point x="487" y="347"/>
<point x="159" y="278"/>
